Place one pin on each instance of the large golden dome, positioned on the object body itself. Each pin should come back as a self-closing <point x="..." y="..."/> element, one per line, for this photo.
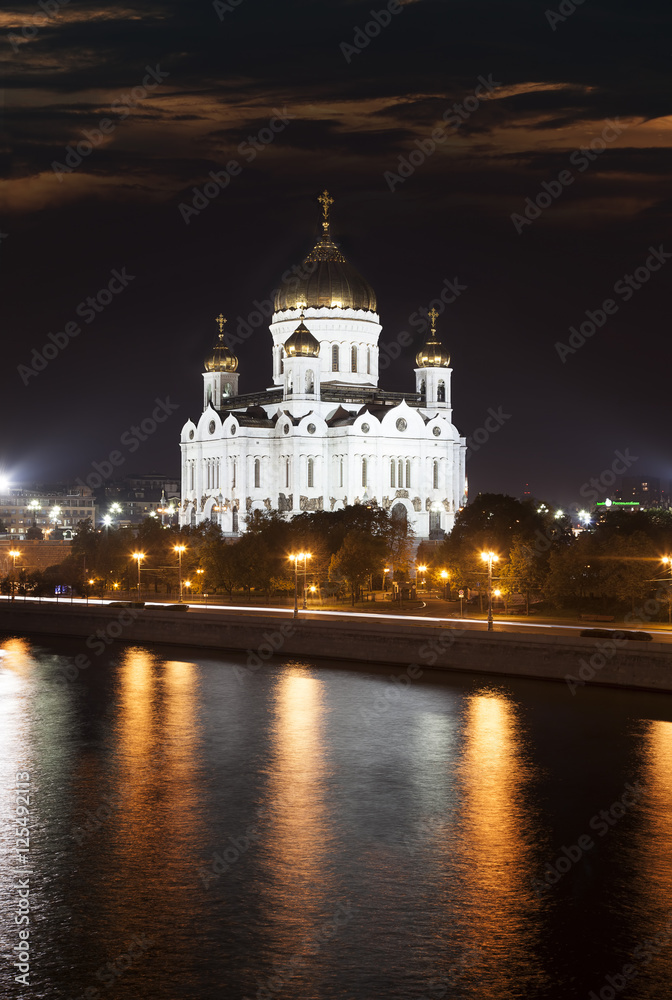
<point x="221" y="359"/>
<point x="332" y="283"/>
<point x="433" y="354"/>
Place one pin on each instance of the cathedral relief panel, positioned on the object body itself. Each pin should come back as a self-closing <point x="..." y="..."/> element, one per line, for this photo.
<point x="387" y="503"/>
<point x="402" y="494"/>
<point x="311" y="503"/>
<point x="447" y="506"/>
<point x="417" y="503"/>
<point x="285" y="503"/>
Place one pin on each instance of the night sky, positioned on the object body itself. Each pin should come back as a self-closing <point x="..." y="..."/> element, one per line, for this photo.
<point x="215" y="75"/>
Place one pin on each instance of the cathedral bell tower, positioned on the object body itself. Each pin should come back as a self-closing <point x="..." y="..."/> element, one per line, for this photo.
<point x="432" y="376"/>
<point x="220" y="378"/>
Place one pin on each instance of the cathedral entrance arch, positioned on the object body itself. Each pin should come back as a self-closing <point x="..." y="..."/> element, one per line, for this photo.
<point x="399" y="513"/>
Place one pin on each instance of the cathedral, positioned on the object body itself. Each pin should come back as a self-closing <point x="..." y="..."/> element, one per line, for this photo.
<point x="324" y="435"/>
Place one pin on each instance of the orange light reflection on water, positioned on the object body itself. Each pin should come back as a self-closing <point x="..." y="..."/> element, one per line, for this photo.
<point x="294" y="831"/>
<point x="492" y="849"/>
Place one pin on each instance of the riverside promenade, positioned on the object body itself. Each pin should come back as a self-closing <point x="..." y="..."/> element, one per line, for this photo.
<point x="406" y="648"/>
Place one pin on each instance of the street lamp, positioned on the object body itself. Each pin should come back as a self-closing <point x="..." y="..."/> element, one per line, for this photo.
<point x="91" y="583"/>
<point x="444" y="576"/>
<point x="180" y="549"/>
<point x="200" y="573"/>
<point x="187" y="584"/>
<point x="14" y="553"/>
<point x="295" y="559"/>
<point x="668" y="562"/>
<point x="139" y="556"/>
<point x="34" y="505"/>
<point x="489" y="557"/>
<point x="385" y="572"/>
<point x="423" y="570"/>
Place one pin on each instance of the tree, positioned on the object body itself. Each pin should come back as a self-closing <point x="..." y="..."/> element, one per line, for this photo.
<point x="525" y="571"/>
<point x="627" y="567"/>
<point x="359" y="556"/>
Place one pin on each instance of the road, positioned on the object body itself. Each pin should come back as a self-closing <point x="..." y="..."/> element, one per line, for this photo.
<point x="431" y="615"/>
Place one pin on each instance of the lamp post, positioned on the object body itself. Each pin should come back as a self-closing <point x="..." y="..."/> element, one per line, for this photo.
<point x="180" y="549"/>
<point x="187" y="584"/>
<point x="668" y="561"/>
<point x="444" y="576"/>
<point x="14" y="553"/>
<point x="295" y="559"/>
<point x="34" y="505"/>
<point x="139" y="556"/>
<point x="306" y="557"/>
<point x="423" y="570"/>
<point x="385" y="572"/>
<point x="200" y="573"/>
<point x="88" y="591"/>
<point x="489" y="557"/>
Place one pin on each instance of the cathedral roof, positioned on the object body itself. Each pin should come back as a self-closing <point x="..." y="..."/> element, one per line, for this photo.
<point x="221" y="359"/>
<point x="301" y="343"/>
<point x="433" y="354"/>
<point x="331" y="282"/>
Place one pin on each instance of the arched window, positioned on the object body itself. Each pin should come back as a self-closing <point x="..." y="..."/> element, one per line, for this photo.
<point x="393" y="466"/>
<point x="193" y="516"/>
<point x="435" y="474"/>
<point x="282" y="364"/>
<point x="341" y="471"/>
<point x="408" y="473"/>
<point x="191" y="477"/>
<point x="289" y="386"/>
<point x="233" y="474"/>
<point x="423" y="390"/>
<point x="234" y="520"/>
<point x="335" y="360"/>
<point x="434" y="521"/>
<point x="309" y="382"/>
<point x="209" y="394"/>
<point x="441" y="392"/>
<point x="353" y="358"/>
<point x="364" y="473"/>
<point x="228" y="389"/>
<point x="400" y="473"/>
<point x="311" y="472"/>
<point x="257" y="473"/>
<point x="286" y="473"/>
<point x="368" y="361"/>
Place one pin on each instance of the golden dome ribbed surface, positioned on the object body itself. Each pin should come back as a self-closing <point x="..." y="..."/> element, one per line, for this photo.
<point x="432" y="354"/>
<point x="222" y="359"/>
<point x="331" y="283"/>
<point x="302" y="344"/>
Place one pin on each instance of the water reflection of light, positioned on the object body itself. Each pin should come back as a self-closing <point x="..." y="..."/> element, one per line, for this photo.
<point x="651" y="902"/>
<point x="294" y="835"/>
<point x="493" y="851"/>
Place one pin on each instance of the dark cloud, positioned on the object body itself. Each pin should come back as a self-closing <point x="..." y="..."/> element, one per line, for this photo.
<point x="356" y="121"/>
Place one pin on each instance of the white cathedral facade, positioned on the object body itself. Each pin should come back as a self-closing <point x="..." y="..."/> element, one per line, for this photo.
<point x="324" y="435"/>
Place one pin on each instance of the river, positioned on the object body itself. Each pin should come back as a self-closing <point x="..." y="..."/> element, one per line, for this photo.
<point x="327" y="831"/>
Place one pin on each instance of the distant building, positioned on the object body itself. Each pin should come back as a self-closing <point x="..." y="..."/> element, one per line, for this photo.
<point x="130" y="500"/>
<point x="55" y="509"/>
<point x="647" y="491"/>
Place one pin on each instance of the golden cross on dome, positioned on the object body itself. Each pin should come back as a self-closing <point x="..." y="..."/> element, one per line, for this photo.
<point x="326" y="201"/>
<point x="433" y="315"/>
<point x="220" y="319"/>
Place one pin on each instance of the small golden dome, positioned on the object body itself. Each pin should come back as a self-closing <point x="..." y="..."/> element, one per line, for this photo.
<point x="331" y="282"/>
<point x="222" y="358"/>
<point x="433" y="354"/>
<point x="302" y="344"/>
